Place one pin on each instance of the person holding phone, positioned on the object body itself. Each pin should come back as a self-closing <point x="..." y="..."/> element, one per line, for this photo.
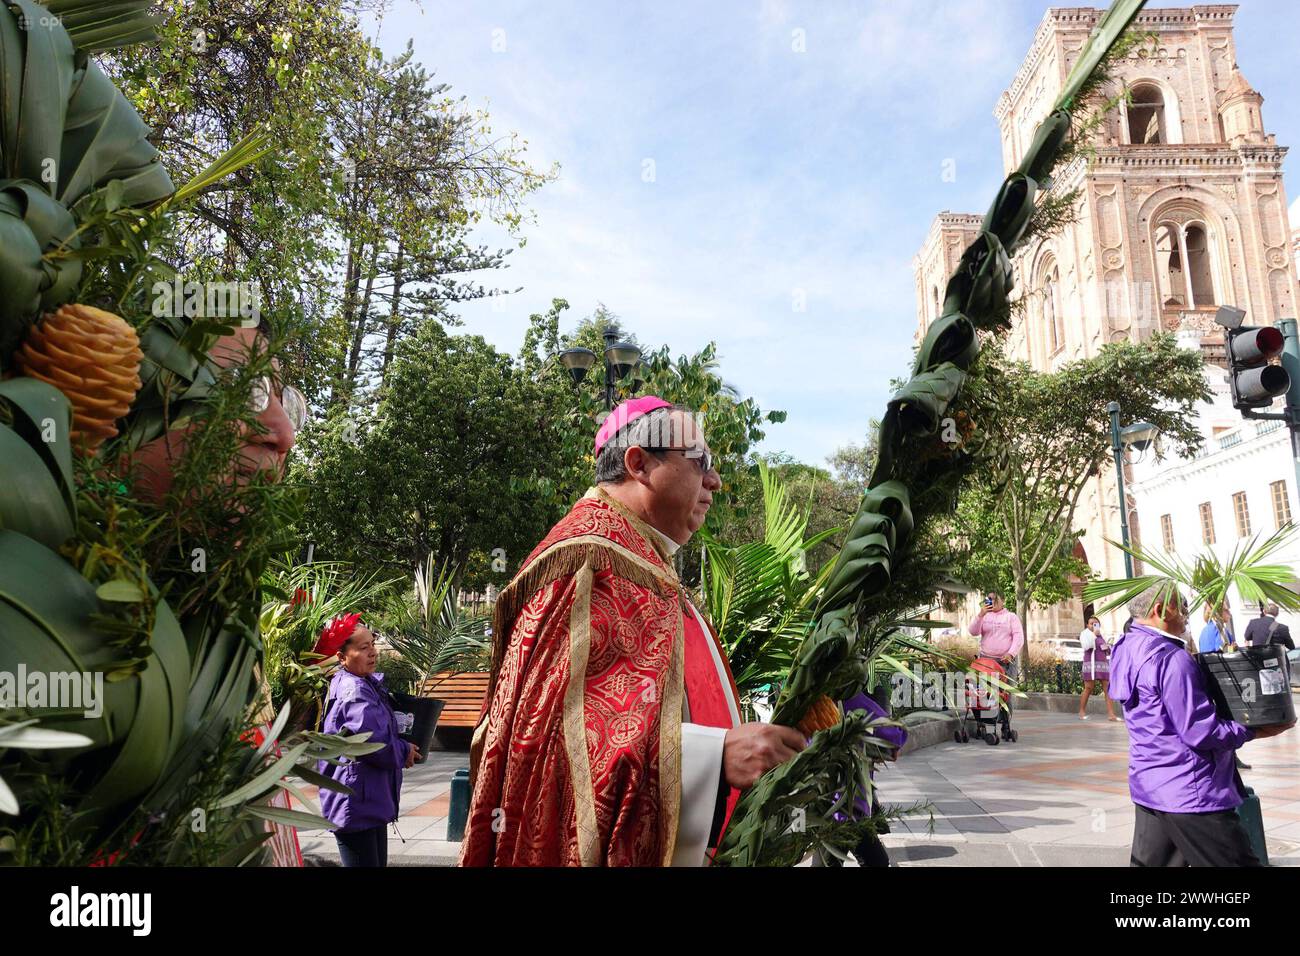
<point x="1096" y="667"/>
<point x="1001" y="636"/>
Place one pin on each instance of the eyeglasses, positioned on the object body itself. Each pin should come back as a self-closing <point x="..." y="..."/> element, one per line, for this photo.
<point x="704" y="459"/>
<point x="293" y="401"/>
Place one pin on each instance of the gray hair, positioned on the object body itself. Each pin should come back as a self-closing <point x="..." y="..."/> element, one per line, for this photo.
<point x="1159" y="593"/>
<point x="1271" y="609"/>
<point x="652" y="430"/>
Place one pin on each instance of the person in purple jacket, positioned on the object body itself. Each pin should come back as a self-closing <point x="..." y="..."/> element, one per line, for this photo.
<point x="357" y="702"/>
<point x="1182" y="777"/>
<point x="871" y="851"/>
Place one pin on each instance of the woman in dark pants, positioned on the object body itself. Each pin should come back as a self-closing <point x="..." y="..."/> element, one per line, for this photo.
<point x="357" y="702"/>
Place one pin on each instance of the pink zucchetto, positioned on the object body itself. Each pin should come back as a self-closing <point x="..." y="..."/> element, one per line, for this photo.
<point x="625" y="413"/>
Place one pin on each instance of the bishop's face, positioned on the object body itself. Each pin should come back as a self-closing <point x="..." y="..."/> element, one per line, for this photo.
<point x="681" y="488"/>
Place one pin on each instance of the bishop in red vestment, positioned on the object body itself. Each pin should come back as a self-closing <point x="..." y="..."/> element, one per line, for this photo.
<point x="611" y="734"/>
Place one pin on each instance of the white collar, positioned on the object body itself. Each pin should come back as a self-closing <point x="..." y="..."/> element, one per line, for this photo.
<point x="1172" y="637"/>
<point x="669" y="543"/>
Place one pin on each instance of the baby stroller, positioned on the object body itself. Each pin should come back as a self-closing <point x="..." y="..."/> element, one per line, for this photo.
<point x="988" y="712"/>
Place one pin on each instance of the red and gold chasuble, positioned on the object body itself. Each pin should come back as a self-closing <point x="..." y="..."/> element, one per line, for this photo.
<point x="577" y="759"/>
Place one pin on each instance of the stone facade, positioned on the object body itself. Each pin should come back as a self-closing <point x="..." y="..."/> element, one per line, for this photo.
<point x="1182" y="208"/>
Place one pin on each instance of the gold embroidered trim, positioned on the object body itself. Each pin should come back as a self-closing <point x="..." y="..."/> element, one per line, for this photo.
<point x="638" y="525"/>
<point x="575" y="722"/>
<point x="670" y="741"/>
<point x="560" y="560"/>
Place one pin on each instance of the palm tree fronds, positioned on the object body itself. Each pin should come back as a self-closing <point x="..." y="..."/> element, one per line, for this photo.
<point x="97" y="25"/>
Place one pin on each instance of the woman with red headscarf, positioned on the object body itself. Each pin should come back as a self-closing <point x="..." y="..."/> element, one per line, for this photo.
<point x="357" y="702"/>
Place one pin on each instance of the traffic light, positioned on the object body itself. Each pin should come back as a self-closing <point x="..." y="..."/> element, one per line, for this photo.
<point x="1255" y="383"/>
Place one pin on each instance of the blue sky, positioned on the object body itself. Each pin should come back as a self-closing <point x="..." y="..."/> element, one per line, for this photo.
<point x="776" y="173"/>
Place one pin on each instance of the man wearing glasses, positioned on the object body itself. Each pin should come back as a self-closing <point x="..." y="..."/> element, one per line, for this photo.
<point x="611" y="734"/>
<point x="279" y="410"/>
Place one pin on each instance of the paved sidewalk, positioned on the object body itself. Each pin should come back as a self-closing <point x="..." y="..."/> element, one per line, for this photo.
<point x="1058" y="797"/>
<point x="422" y="824"/>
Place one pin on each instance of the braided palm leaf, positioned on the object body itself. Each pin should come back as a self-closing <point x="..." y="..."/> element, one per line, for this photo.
<point x="66" y="131"/>
<point x="834" y="658"/>
<point x="177" y="687"/>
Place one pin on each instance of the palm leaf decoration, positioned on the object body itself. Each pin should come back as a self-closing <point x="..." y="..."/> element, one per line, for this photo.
<point x="98" y="25"/>
<point x="67" y="132"/>
<point x="833" y="660"/>
<point x="758" y="595"/>
<point x="82" y="189"/>
<point x="1207" y="578"/>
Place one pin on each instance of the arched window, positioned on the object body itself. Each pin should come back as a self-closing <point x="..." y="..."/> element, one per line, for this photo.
<point x="1184" y="265"/>
<point x="1199" y="275"/>
<point x="1053" y="321"/>
<point x="1169" y="266"/>
<point x="1146" y="116"/>
<point x="938" y="306"/>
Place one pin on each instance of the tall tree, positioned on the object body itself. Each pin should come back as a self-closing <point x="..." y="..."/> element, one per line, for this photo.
<point x="1050" y="432"/>
<point x="436" y="468"/>
<point x="358" y="224"/>
<point x="420" y="172"/>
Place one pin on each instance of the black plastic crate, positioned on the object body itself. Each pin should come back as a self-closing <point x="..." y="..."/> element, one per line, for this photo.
<point x="1252" y="686"/>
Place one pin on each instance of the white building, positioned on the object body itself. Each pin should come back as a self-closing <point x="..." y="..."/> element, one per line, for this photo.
<point x="1242" y="484"/>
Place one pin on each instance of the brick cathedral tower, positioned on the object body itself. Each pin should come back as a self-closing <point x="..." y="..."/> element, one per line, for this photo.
<point x="1182" y="209"/>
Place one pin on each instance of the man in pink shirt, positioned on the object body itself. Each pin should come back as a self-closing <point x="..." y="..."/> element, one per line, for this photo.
<point x="1000" y="633"/>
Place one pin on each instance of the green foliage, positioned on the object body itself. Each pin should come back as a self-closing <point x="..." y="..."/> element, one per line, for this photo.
<point x="913" y="475"/>
<point x="802" y="796"/>
<point x="1207" y="578"/>
<point x="438" y="467"/>
<point x="431" y="633"/>
<point x="759" y="595"/>
<point x="60" y="107"/>
<point x="1048" y="434"/>
<point x="980" y="553"/>
<point x="299" y="600"/>
<point x="361" y="219"/>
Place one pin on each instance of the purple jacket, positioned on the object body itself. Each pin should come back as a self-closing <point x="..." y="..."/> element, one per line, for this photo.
<point x="354" y="705"/>
<point x="894" y="735"/>
<point x="1180" y="751"/>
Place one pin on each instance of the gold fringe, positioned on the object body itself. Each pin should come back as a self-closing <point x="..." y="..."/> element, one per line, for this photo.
<point x="649" y="534"/>
<point x="563" y="559"/>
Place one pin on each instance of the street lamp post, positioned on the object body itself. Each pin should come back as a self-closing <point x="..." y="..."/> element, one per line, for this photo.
<point x="1139" y="434"/>
<point x="620" y="359"/>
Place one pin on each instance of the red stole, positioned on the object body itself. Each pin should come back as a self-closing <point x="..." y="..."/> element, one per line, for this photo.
<point x="705" y="695"/>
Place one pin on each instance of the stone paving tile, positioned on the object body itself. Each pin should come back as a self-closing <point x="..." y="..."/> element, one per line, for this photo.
<point x="1059" y="796"/>
<point x="411" y="827"/>
<point x="437" y="807"/>
<point x="1290" y="831"/>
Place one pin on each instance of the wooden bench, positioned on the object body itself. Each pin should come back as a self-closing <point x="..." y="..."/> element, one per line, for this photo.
<point x="463" y="693"/>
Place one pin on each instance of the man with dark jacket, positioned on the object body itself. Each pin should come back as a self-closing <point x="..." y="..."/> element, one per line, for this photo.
<point x="1266" y="629"/>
